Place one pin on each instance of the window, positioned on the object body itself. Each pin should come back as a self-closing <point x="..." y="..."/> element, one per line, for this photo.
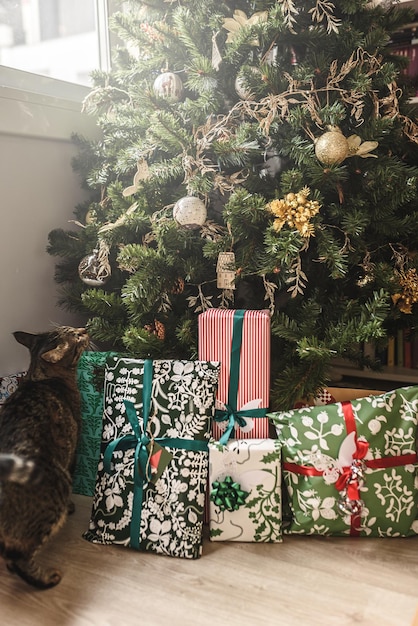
<point x="48" y="49"/>
<point x="61" y="39"/>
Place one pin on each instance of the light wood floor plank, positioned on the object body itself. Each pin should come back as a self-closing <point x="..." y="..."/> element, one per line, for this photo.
<point x="306" y="581"/>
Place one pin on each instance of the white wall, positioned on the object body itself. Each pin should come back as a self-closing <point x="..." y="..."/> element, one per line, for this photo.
<point x="38" y="192"/>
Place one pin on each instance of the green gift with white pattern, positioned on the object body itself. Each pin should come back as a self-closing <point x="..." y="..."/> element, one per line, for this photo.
<point x="90" y="381"/>
<point x="153" y="467"/>
<point x="350" y="468"/>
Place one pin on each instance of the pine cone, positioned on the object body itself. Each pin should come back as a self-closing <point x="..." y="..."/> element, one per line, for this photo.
<point x="178" y="286"/>
<point x="156" y="328"/>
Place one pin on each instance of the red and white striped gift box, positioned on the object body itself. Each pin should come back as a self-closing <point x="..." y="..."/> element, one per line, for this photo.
<point x="215" y="342"/>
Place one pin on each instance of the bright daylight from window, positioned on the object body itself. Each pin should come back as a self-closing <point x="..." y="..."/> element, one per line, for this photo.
<point x="54" y="38"/>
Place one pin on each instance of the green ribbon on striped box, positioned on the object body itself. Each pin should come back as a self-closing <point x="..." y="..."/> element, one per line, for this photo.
<point x="231" y="414"/>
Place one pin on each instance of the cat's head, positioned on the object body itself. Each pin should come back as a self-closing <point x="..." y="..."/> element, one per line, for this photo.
<point x="58" y="348"/>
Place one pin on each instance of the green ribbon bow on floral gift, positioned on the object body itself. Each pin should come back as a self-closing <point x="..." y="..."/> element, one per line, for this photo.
<point x="139" y="441"/>
<point x="227" y="494"/>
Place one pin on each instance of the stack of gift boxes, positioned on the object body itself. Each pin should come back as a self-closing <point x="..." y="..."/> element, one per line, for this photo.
<point x="244" y="491"/>
<point x="189" y="442"/>
<point x="208" y="421"/>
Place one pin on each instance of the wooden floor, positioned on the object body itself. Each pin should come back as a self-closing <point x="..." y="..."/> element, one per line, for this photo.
<point x="306" y="581"/>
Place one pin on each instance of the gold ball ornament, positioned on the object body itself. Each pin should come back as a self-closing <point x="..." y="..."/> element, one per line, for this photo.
<point x="332" y="147"/>
<point x="190" y="212"/>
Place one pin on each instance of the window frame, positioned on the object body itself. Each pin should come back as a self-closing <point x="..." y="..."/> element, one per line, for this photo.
<point x="40" y="106"/>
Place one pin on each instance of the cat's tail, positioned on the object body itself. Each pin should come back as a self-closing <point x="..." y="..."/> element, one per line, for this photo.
<point x="16" y="469"/>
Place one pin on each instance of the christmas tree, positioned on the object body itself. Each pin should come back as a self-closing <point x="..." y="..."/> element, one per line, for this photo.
<point x="256" y="155"/>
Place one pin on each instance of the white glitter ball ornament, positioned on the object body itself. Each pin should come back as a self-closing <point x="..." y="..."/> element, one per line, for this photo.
<point x="190" y="212"/>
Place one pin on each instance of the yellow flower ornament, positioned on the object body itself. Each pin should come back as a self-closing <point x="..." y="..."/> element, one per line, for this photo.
<point x="296" y="210"/>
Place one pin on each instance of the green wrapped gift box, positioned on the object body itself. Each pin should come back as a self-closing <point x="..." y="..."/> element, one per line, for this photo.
<point x="162" y="407"/>
<point x="350" y="468"/>
<point x="90" y="380"/>
<point x="245" y="491"/>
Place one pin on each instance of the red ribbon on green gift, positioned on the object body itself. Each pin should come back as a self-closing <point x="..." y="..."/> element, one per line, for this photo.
<point x="349" y="479"/>
<point x="349" y="476"/>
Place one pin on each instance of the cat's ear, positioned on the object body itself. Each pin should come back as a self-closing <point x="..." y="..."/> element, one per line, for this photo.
<point x="56" y="354"/>
<point x="26" y="339"/>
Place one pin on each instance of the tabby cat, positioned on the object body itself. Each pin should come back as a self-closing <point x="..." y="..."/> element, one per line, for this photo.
<point x="39" y="428"/>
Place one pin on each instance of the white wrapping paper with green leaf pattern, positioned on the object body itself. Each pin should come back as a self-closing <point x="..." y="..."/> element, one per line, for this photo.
<point x="245" y="491"/>
<point x="173" y="402"/>
<point x="350" y="468"/>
